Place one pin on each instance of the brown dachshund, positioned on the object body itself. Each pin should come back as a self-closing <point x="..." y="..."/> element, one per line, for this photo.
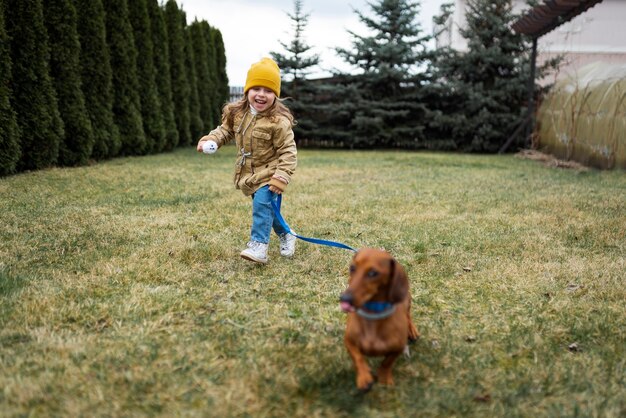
<point x="378" y="304"/>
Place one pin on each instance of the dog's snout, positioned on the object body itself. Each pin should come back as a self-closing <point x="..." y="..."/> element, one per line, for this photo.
<point x="345" y="301"/>
<point x="346" y="297"/>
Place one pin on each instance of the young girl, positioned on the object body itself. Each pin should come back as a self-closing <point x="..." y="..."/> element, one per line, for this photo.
<point x="262" y="129"/>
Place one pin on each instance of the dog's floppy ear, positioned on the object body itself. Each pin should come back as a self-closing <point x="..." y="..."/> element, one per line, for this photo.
<point x="399" y="284"/>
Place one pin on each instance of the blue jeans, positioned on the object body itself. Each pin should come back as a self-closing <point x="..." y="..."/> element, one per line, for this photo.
<point x="263" y="219"/>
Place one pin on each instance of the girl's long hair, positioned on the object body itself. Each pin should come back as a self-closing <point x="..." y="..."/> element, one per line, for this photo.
<point x="241" y="106"/>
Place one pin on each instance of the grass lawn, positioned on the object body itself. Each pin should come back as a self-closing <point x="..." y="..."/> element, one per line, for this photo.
<point x="122" y="292"/>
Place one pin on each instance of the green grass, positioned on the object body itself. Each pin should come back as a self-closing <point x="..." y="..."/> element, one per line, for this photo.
<point x="122" y="292"/>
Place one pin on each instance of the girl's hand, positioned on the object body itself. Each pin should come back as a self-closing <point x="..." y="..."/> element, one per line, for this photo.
<point x="276" y="182"/>
<point x="202" y="140"/>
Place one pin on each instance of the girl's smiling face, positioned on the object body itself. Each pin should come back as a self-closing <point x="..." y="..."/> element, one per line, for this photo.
<point x="261" y="98"/>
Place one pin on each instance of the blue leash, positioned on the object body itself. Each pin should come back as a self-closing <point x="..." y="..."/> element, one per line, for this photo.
<point x="276" y="205"/>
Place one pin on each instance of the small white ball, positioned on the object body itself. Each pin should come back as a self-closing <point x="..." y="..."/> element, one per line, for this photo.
<point x="209" y="147"/>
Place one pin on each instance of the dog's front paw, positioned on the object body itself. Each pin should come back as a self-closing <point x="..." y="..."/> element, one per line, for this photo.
<point x="364" y="382"/>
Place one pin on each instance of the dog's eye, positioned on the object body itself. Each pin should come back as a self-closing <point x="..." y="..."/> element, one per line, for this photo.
<point x="372" y="273"/>
<point x="352" y="268"/>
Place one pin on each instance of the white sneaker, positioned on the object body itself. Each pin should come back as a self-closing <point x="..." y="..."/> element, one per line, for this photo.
<point x="256" y="251"/>
<point x="287" y="244"/>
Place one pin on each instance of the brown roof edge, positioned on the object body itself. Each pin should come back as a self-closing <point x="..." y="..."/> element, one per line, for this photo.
<point x="546" y="17"/>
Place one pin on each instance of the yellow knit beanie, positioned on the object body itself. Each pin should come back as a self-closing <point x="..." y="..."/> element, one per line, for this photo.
<point x="264" y="73"/>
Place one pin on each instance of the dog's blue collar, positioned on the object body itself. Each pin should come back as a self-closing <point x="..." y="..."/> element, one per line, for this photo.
<point x="377" y="306"/>
<point x="376" y="310"/>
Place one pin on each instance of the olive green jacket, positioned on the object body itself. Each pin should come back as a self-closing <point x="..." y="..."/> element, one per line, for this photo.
<point x="265" y="148"/>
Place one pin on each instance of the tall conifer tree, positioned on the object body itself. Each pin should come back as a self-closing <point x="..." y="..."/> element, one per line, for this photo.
<point x="196" y="125"/>
<point x="483" y="90"/>
<point x="206" y="88"/>
<point x="487" y="83"/>
<point x="389" y="108"/>
<point x="150" y="106"/>
<point x="9" y="146"/>
<point x="222" y="87"/>
<point x="217" y="101"/>
<point x="77" y="144"/>
<point x="163" y="77"/>
<point x="296" y="64"/>
<point x="180" y="85"/>
<point x="298" y="61"/>
<point x="96" y="78"/>
<point x="34" y="99"/>
<point x="126" y="102"/>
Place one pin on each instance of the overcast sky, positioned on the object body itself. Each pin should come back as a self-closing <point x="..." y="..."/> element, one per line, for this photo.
<point x="253" y="28"/>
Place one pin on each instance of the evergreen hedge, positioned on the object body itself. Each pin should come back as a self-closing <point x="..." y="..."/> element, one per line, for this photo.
<point x="72" y="93"/>
<point x="222" y="92"/>
<point x="96" y="77"/>
<point x="77" y="143"/>
<point x="33" y="97"/>
<point x="196" y="124"/>
<point x="126" y="102"/>
<point x="9" y="146"/>
<point x="162" y="74"/>
<point x="218" y="97"/>
<point x="180" y="84"/>
<point x="205" y="84"/>
<point x="150" y="107"/>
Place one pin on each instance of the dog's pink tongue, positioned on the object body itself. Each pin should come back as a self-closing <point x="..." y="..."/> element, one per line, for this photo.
<point x="346" y="307"/>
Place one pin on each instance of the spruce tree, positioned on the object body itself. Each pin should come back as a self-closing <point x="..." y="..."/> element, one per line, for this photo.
<point x="484" y="88"/>
<point x="444" y="101"/>
<point x="388" y="109"/>
<point x="163" y="77"/>
<point x="9" y="146"/>
<point x="326" y="121"/>
<point x="34" y="99"/>
<point x="205" y="84"/>
<point x="77" y="144"/>
<point x="178" y="73"/>
<point x="126" y="101"/>
<point x="296" y="64"/>
<point x="150" y="106"/>
<point x="96" y="78"/>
